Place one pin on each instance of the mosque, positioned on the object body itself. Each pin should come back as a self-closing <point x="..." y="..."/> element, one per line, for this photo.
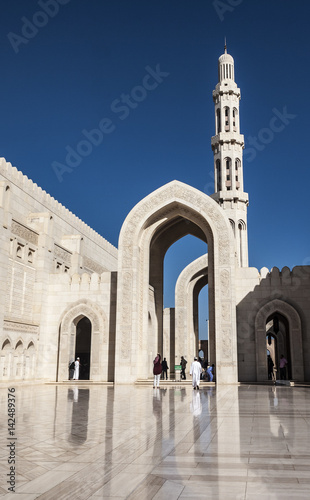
<point x="67" y="292"/>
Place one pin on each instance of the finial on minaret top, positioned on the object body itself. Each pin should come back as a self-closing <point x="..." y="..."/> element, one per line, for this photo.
<point x="225" y="46"/>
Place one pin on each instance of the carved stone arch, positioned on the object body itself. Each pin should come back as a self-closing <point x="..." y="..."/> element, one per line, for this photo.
<point x="188" y="285"/>
<point x="295" y="337"/>
<point x="154" y="224"/>
<point x="242" y="224"/>
<point x="6" y="344"/>
<point x="19" y="346"/>
<point x="99" y="336"/>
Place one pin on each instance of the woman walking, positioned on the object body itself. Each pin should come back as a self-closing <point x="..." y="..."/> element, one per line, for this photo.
<point x="157" y="370"/>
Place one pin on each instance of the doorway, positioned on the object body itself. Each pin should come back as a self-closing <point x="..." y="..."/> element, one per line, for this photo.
<point x="83" y="346"/>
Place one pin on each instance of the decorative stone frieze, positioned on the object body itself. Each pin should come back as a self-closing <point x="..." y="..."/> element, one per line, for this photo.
<point x="24" y="232"/>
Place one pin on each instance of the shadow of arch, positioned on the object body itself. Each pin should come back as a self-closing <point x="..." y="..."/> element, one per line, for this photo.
<point x="295" y="338"/>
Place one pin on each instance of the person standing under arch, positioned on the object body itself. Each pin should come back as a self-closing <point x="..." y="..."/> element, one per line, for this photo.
<point x="76" y="373"/>
<point x="283" y="363"/>
<point x="195" y="371"/>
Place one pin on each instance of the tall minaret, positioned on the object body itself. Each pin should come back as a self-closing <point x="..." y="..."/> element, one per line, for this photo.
<point x="227" y="145"/>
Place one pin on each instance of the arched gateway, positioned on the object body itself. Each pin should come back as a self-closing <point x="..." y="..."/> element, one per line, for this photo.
<point x="160" y="219"/>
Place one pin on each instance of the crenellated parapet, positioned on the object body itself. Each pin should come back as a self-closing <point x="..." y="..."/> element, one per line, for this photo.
<point x="285" y="276"/>
<point x="16" y="177"/>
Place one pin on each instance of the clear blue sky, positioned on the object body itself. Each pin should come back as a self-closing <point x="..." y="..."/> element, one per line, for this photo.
<point x="69" y="74"/>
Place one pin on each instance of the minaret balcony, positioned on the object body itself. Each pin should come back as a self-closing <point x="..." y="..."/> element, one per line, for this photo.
<point x="227" y="87"/>
<point x="231" y="195"/>
<point x="228" y="137"/>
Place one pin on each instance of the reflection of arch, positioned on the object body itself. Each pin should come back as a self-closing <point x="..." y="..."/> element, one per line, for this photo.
<point x="295" y="338"/>
<point x="189" y="283"/>
<point x="154" y="224"/>
<point x="99" y="348"/>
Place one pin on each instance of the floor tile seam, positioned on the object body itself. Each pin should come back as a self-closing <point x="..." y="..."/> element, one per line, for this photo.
<point x="41" y="493"/>
<point x="243" y="479"/>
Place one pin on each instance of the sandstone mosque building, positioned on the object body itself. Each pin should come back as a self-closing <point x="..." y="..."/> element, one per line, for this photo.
<point x="67" y="292"/>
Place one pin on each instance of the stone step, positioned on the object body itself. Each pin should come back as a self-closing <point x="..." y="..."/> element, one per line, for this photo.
<point x="149" y="382"/>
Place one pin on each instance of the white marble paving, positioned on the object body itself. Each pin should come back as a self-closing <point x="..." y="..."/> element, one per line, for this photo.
<point x="134" y="443"/>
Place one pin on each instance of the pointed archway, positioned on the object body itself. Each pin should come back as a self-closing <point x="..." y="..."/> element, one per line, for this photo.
<point x="290" y="339"/>
<point x="154" y="224"/>
<point x="97" y="345"/>
<point x="190" y="282"/>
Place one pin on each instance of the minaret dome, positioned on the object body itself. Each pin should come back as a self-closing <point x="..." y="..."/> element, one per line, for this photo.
<point x="226" y="67"/>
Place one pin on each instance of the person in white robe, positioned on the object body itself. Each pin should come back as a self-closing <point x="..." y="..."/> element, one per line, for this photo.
<point x="76" y="373"/>
<point x="195" y="372"/>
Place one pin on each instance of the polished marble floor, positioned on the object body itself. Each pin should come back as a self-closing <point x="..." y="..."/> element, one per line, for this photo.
<point x="91" y="442"/>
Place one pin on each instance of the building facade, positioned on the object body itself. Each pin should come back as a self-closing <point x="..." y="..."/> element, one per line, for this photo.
<point x="67" y="292"/>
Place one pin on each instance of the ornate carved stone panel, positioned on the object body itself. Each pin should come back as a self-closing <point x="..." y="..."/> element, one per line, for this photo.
<point x="24" y="232"/>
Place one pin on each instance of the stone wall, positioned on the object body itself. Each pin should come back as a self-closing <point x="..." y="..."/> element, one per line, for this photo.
<point x="42" y="241"/>
<point x="255" y="290"/>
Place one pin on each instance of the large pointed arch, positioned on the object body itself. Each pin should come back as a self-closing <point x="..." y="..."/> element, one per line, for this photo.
<point x="295" y="338"/>
<point x="189" y="283"/>
<point x="99" y="345"/>
<point x="155" y="223"/>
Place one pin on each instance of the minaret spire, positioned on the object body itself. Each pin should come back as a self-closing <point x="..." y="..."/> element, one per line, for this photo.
<point x="227" y="145"/>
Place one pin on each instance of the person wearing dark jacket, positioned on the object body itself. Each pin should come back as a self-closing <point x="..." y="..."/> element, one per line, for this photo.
<point x="157" y="370"/>
<point x="165" y="367"/>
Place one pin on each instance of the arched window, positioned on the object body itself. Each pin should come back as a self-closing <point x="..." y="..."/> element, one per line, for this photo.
<point x="226" y="113"/>
<point x="218" y="176"/>
<point x="218" y="121"/>
<point x="19" y="251"/>
<point x="235" y="120"/>
<point x="30" y="256"/>
<point x="228" y="173"/>
<point x="241" y="229"/>
<point x="232" y="223"/>
<point x="237" y="172"/>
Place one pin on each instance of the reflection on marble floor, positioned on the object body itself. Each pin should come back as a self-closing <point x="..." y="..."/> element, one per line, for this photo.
<point x="92" y="442"/>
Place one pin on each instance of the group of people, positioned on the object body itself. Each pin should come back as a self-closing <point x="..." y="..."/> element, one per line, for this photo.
<point x="196" y="371"/>
<point x="271" y="368"/>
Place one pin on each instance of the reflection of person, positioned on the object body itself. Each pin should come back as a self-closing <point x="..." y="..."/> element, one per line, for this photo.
<point x="195" y="371"/>
<point x="165" y="367"/>
<point x="76" y="369"/>
<point x="270" y="367"/>
<point x="183" y="366"/>
<point x="283" y="363"/>
<point x="195" y="405"/>
<point x="157" y="370"/>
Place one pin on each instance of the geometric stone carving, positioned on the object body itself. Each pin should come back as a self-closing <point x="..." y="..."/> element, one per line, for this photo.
<point x="24" y="232"/>
<point x="62" y="253"/>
